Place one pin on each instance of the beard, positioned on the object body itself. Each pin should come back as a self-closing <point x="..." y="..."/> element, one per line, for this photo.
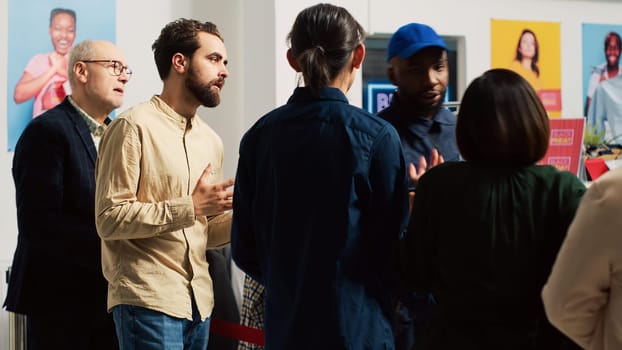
<point x="203" y="91"/>
<point x="419" y="108"/>
<point x="431" y="110"/>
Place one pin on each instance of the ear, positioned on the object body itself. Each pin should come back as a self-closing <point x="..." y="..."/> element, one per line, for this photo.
<point x="80" y="72"/>
<point x="359" y="56"/>
<point x="292" y="60"/>
<point x="179" y="63"/>
<point x="391" y="74"/>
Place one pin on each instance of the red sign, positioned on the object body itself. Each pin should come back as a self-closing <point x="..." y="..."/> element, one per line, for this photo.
<point x="565" y="144"/>
<point x="551" y="99"/>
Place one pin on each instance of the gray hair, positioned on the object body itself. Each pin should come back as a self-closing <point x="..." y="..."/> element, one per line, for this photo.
<point x="82" y="51"/>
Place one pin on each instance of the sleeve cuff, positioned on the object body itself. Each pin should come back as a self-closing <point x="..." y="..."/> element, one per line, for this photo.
<point x="182" y="210"/>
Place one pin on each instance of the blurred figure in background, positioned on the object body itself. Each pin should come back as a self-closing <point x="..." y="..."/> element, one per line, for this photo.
<point x="418" y="66"/>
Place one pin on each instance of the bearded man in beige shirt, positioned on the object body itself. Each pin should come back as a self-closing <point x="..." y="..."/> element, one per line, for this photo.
<point x="160" y="198"/>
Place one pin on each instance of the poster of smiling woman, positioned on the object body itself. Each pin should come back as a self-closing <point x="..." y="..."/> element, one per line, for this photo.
<point x="40" y="37"/>
<point x="533" y="50"/>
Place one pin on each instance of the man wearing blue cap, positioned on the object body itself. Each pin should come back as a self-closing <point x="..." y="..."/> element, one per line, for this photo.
<point x="417" y="59"/>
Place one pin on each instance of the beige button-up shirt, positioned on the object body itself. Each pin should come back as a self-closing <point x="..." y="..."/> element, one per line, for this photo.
<point x="153" y="246"/>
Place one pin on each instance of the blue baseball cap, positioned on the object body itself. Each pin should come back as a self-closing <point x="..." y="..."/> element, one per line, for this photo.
<point x="411" y="38"/>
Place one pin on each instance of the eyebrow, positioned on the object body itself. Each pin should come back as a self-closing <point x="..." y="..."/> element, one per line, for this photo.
<point x="219" y="56"/>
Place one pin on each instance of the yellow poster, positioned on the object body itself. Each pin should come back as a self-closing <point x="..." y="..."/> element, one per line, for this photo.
<point x="533" y="50"/>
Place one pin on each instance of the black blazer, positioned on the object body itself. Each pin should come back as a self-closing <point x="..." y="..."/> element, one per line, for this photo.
<point x="57" y="263"/>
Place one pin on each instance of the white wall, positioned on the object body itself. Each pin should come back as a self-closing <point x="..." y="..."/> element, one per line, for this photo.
<point x="261" y="79"/>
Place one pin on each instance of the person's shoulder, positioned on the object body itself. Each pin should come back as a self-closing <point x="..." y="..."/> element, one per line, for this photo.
<point x="59" y="115"/>
<point x="40" y="57"/>
<point x="448" y="175"/>
<point x="554" y="177"/>
<point x="272" y="116"/>
<point x="599" y="68"/>
<point x="451" y="167"/>
<point x="52" y="126"/>
<point x="515" y="65"/>
<point x="610" y="180"/>
<point x="363" y="121"/>
<point x="445" y="116"/>
<point x="138" y="113"/>
<point x="605" y="192"/>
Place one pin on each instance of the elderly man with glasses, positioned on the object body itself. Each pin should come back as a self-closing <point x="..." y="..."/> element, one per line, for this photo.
<point x="56" y="278"/>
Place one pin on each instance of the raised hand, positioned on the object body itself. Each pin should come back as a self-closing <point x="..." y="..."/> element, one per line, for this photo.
<point x="59" y="64"/>
<point x="415" y="173"/>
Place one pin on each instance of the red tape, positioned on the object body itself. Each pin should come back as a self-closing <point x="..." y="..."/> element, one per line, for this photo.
<point x="236" y="331"/>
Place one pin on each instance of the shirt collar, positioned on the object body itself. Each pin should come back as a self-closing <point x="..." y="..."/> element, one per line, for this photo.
<point x="179" y="119"/>
<point x="95" y="128"/>
<point x="443" y="116"/>
<point x="303" y="94"/>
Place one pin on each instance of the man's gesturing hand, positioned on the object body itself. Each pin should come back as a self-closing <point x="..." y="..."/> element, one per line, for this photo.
<point x="212" y="199"/>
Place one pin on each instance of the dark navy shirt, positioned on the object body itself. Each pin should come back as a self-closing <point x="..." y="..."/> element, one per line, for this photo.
<point x="419" y="135"/>
<point x="320" y="199"/>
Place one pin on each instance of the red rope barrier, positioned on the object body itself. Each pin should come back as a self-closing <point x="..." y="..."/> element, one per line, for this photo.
<point x="237" y="331"/>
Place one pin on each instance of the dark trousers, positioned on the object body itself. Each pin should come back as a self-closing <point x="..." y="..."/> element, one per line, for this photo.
<point x="73" y="330"/>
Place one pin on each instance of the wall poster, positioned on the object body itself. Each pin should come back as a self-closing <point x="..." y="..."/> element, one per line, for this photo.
<point x="533" y="50"/>
<point x="41" y="33"/>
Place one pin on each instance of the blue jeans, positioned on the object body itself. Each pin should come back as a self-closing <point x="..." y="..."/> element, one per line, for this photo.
<point x="139" y="328"/>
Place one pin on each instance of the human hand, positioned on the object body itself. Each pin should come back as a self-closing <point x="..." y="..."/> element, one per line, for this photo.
<point x="212" y="199"/>
<point x="415" y="173"/>
<point x="59" y="64"/>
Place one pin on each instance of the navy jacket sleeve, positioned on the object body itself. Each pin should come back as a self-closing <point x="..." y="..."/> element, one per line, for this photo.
<point x="243" y="242"/>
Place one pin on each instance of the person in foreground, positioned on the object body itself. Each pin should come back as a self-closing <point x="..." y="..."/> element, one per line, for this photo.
<point x="321" y="199"/>
<point x="160" y="201"/>
<point x="582" y="295"/>
<point x="487" y="264"/>
<point x="56" y="278"/>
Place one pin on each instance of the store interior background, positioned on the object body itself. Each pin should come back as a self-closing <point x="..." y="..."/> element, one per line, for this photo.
<point x="260" y="78"/>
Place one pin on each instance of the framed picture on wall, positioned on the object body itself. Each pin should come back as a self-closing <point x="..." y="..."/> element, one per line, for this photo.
<point x="41" y="34"/>
<point x="533" y="50"/>
<point x="602" y="84"/>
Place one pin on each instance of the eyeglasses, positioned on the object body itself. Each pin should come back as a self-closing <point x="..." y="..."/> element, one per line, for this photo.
<point x="117" y="67"/>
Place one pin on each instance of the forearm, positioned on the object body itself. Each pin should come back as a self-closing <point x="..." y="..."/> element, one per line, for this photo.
<point x="132" y="219"/>
<point x="29" y="86"/>
<point x="219" y="230"/>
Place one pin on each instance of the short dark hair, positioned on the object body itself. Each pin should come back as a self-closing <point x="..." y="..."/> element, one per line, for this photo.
<point x="321" y="40"/>
<point x="179" y="36"/>
<point x="501" y="121"/>
<point x="57" y="11"/>
<point x="612" y="35"/>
